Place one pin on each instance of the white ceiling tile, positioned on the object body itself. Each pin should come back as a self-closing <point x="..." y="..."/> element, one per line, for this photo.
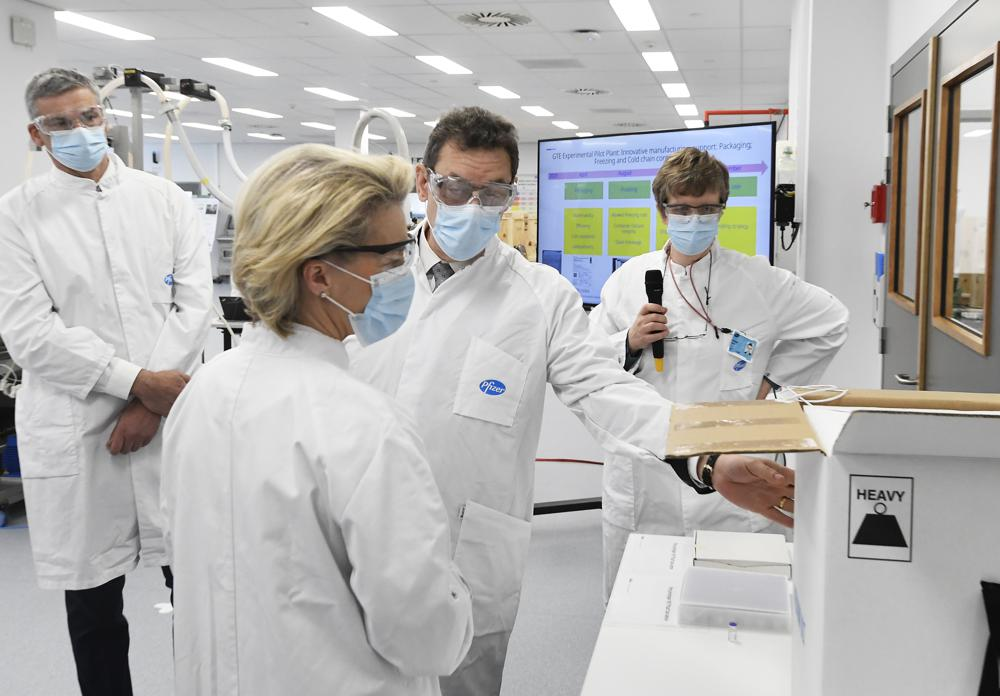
<point x="705" y="60"/>
<point x="610" y="42"/>
<point x="567" y="16"/>
<point x="698" y="14"/>
<point x="704" y="39"/>
<point x="767" y="38"/>
<point x="457" y="46"/>
<point x="765" y="59"/>
<point x="767" y="13"/>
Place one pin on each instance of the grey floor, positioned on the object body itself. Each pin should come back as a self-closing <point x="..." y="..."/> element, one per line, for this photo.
<point x="560" y="615"/>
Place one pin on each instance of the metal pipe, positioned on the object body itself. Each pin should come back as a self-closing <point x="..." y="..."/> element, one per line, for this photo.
<point x="744" y="112"/>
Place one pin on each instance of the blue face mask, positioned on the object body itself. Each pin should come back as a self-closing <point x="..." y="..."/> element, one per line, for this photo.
<point x="462" y="231"/>
<point x="392" y="293"/>
<point x="80" y="149"/>
<point x="692" y="234"/>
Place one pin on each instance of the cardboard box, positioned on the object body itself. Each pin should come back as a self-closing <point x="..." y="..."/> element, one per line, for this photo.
<point x="897" y="522"/>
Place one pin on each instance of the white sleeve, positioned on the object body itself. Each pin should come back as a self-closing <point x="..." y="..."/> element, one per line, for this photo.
<point x="811" y="325"/>
<point x="624" y="414"/>
<point x="183" y="335"/>
<point x="417" y="607"/>
<point x="70" y="358"/>
<point x="605" y="320"/>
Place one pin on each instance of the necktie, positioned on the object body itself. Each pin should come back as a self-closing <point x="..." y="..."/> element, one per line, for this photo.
<point x="439" y="273"/>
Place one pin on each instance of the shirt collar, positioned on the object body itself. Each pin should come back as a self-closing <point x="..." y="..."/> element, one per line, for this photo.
<point x="428" y="259"/>
<point x="704" y="261"/>
<point x="108" y="181"/>
<point x="303" y="340"/>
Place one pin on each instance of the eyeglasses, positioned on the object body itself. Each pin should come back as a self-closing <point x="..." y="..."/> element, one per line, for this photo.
<point x="684" y="338"/>
<point x="88" y="117"/>
<point x="681" y="209"/>
<point x="454" y="190"/>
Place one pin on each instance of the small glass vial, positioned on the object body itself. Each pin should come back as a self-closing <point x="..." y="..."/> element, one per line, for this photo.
<point x="733" y="637"/>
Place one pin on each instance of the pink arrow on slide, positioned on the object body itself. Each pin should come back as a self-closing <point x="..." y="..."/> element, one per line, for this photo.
<point x="747" y="168"/>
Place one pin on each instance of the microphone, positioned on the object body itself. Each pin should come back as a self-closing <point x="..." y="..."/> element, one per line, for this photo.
<point x="654" y="293"/>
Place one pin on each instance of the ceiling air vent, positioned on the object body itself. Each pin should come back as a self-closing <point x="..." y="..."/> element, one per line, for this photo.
<point x="587" y="92"/>
<point x="629" y="124"/>
<point x="497" y="20"/>
<point x="611" y="110"/>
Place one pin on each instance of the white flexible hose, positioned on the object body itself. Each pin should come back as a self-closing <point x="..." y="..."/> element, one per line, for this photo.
<point x="168" y="138"/>
<point x="107" y="89"/>
<point x="227" y="135"/>
<point x="394" y="125"/>
<point x="171" y="113"/>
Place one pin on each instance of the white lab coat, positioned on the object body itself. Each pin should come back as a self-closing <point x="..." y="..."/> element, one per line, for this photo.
<point x="799" y="327"/>
<point x="309" y="544"/>
<point x="470" y="365"/>
<point x="95" y="280"/>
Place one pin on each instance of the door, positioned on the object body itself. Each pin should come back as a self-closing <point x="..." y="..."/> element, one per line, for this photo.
<point x="946" y="337"/>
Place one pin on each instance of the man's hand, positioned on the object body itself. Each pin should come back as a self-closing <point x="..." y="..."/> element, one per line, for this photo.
<point x="136" y="427"/>
<point x="650" y="325"/>
<point x="758" y="485"/>
<point x="158" y="390"/>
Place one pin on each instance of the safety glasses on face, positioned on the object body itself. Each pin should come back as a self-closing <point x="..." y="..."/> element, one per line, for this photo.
<point x="681" y="209"/>
<point x="398" y="257"/>
<point x="88" y="117"/>
<point x="454" y="190"/>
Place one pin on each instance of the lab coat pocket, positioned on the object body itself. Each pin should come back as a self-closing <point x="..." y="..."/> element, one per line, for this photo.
<point x="490" y="385"/>
<point x="736" y="379"/>
<point x="491" y="553"/>
<point x="48" y="441"/>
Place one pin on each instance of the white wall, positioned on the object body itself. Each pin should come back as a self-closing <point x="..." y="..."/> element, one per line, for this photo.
<point x="838" y="117"/>
<point x="19" y="64"/>
<point x="908" y="20"/>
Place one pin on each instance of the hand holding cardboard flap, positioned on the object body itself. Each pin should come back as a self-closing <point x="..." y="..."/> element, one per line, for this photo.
<point x="990" y="684"/>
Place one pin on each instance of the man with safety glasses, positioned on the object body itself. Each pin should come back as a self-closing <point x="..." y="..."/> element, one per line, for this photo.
<point x="105" y="293"/>
<point x="486" y="331"/>
<point x="727" y="321"/>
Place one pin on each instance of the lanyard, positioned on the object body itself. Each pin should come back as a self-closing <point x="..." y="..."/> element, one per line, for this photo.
<point x="703" y="314"/>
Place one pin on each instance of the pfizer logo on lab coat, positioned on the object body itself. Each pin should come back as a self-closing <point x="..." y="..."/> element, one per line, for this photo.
<point x="492" y="387"/>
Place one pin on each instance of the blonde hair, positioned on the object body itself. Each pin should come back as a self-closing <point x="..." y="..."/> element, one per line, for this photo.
<point x="690" y="172"/>
<point x="302" y="203"/>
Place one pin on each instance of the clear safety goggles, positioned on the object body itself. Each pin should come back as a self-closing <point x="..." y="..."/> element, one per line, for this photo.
<point x="88" y="117"/>
<point x="454" y="190"/>
<point x="685" y="210"/>
<point x="405" y="250"/>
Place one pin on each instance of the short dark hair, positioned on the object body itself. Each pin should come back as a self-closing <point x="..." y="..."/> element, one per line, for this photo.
<point x="472" y="128"/>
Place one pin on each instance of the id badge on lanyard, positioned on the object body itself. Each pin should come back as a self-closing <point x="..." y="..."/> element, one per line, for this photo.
<point x="742" y="347"/>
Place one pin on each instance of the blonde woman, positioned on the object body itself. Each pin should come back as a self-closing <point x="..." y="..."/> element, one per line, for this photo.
<point x="309" y="542"/>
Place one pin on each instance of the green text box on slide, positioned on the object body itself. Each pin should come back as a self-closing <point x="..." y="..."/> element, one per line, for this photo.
<point x="661" y="232"/>
<point x="742" y="186"/>
<point x="631" y="190"/>
<point x="628" y="231"/>
<point x="738" y="230"/>
<point x="583" y="231"/>
<point x="584" y="191"/>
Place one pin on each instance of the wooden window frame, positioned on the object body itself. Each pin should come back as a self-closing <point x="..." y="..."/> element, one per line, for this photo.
<point x="897" y="212"/>
<point x="944" y="259"/>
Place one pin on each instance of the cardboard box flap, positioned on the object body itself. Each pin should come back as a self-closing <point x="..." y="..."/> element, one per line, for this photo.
<point x="739" y="427"/>
<point x="909" y="400"/>
<point x="945" y="434"/>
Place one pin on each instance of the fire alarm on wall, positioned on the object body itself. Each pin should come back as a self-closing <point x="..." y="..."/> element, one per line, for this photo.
<point x="877" y="205"/>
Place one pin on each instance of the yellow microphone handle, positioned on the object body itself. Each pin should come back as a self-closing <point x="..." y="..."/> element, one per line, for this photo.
<point x="659" y="364"/>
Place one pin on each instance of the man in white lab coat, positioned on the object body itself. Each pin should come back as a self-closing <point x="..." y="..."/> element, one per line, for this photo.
<point x="487" y="329"/>
<point x="105" y="294"/>
<point x="727" y="320"/>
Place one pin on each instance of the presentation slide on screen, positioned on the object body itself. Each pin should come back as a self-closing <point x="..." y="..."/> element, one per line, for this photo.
<point x="595" y="205"/>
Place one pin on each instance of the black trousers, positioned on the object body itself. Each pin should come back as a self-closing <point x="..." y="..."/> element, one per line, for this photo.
<point x="98" y="632"/>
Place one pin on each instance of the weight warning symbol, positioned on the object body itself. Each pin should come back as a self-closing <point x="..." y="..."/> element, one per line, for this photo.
<point x="880" y="522"/>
